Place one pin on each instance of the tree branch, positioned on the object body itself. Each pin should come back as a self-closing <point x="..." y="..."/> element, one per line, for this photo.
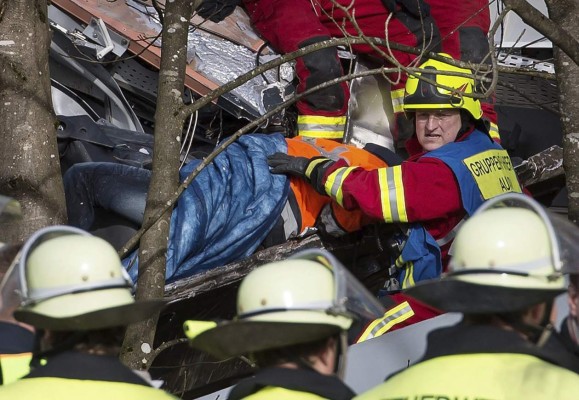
<point x="134" y="240"/>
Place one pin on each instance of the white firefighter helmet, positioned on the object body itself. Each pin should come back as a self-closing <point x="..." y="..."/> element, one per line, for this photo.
<point x="307" y="297"/>
<point x="508" y="256"/>
<point x="71" y="280"/>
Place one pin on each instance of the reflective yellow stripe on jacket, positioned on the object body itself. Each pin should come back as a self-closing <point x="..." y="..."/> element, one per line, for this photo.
<point x="449" y="237"/>
<point x="321" y="127"/>
<point x="409" y="273"/>
<point x="333" y="184"/>
<point x="392" y="194"/>
<point x="397" y="100"/>
<point x="391" y="189"/>
<point x="14" y="366"/>
<point x="494" y="132"/>
<point x="380" y="326"/>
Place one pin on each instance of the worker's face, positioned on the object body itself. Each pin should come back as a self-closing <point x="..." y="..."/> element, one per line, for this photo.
<point x="435" y="128"/>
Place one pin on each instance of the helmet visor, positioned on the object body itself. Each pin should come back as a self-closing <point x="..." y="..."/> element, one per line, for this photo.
<point x="563" y="235"/>
<point x="10" y="289"/>
<point x="9" y="207"/>
<point x="567" y="235"/>
<point x="352" y="299"/>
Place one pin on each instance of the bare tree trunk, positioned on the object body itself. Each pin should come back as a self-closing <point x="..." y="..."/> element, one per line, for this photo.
<point x="29" y="162"/>
<point x="165" y="177"/>
<point x="564" y="13"/>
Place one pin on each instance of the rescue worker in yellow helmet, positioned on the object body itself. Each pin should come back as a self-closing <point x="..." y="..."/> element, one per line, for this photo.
<point x="453" y="167"/>
<point x="16" y="339"/>
<point x="77" y="295"/>
<point x="505" y="272"/>
<point x="292" y="321"/>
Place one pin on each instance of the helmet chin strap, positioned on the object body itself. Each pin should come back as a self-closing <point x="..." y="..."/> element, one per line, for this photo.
<point x="537" y="334"/>
<point x="545" y="335"/>
<point x="341" y="355"/>
<point x="546" y="326"/>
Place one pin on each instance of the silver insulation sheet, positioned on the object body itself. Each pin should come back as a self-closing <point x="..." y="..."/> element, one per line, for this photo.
<point x="222" y="61"/>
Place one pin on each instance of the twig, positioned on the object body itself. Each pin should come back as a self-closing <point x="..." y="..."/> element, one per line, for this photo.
<point x="559" y="36"/>
<point x="165" y="345"/>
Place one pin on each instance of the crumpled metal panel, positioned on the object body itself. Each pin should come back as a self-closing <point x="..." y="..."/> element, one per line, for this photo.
<point x="222" y="61"/>
<point x="370" y="110"/>
<point x="218" y="53"/>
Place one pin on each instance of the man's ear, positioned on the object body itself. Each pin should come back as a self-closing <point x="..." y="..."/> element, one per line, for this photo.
<point x="535" y="314"/>
<point x="327" y="354"/>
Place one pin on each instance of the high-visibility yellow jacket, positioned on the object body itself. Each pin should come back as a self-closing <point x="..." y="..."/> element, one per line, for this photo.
<point x="76" y="375"/>
<point x="279" y="393"/>
<point x="483" y="362"/>
<point x="480" y="376"/>
<point x="290" y="384"/>
<point x="62" y="389"/>
<point x="14" y="366"/>
<point x="16" y="344"/>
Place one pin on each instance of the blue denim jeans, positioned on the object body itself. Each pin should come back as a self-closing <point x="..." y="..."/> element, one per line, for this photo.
<point x="116" y="188"/>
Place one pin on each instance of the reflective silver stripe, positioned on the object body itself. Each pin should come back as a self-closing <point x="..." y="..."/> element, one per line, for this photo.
<point x="333" y="154"/>
<point x="397" y="97"/>
<point x="385" y="321"/>
<point x="450" y="235"/>
<point x="329" y="223"/>
<point x="290" y="224"/>
<point x="313" y="164"/>
<point x="333" y="184"/>
<point x="321" y="127"/>
<point x="337" y="182"/>
<point x="392" y="194"/>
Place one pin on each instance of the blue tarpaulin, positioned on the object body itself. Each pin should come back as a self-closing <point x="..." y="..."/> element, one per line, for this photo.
<point x="228" y="209"/>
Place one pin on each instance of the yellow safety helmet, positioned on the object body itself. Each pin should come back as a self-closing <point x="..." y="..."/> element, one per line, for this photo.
<point x="71" y="280"/>
<point x="302" y="299"/>
<point x="420" y="94"/>
<point x="511" y="254"/>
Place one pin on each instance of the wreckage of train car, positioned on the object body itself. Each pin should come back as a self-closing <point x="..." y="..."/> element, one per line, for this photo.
<point x="106" y="114"/>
